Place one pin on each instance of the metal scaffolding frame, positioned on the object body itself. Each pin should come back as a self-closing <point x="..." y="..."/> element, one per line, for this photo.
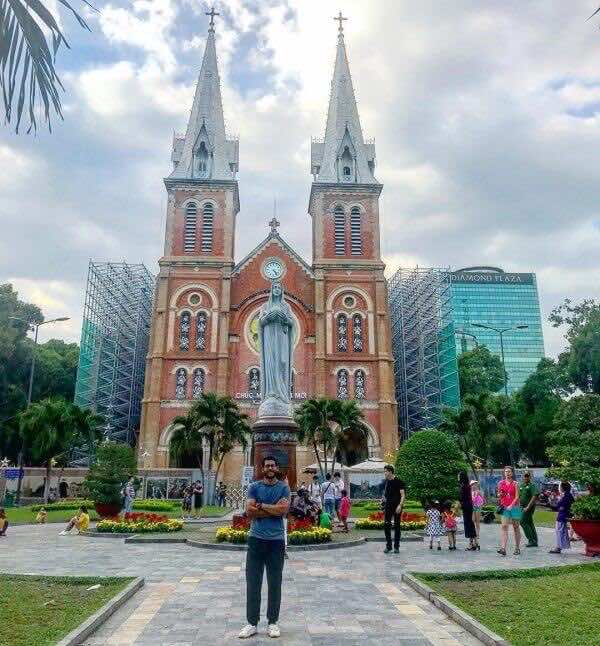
<point x="114" y="344"/>
<point x="426" y="369"/>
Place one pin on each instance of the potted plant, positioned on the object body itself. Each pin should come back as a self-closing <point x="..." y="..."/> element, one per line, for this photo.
<point x="112" y="467"/>
<point x="575" y="448"/>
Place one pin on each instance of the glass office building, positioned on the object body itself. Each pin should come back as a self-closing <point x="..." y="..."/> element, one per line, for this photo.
<point x="491" y="297"/>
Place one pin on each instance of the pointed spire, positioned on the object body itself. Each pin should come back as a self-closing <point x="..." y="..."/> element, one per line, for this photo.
<point x="343" y="156"/>
<point x="205" y="152"/>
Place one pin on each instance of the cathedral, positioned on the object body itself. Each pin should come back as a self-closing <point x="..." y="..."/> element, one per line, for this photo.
<point x="204" y="334"/>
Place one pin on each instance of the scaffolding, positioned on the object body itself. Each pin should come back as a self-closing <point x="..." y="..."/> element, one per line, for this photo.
<point x="114" y="344"/>
<point x="426" y="370"/>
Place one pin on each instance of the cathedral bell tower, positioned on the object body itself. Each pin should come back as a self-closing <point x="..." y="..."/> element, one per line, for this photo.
<point x="353" y="354"/>
<point x="188" y="352"/>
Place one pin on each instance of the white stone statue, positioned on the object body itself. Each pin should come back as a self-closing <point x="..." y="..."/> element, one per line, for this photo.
<point x="276" y="331"/>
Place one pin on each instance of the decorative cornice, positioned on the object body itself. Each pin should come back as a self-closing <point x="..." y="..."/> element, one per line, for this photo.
<point x="209" y="185"/>
<point x="336" y="188"/>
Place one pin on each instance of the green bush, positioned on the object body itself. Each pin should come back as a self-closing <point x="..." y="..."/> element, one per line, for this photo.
<point x="151" y="504"/>
<point x="114" y="463"/>
<point x="75" y="503"/>
<point x="429" y="462"/>
<point x="587" y="508"/>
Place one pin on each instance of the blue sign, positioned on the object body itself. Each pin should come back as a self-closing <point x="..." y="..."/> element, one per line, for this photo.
<point x="12" y="473"/>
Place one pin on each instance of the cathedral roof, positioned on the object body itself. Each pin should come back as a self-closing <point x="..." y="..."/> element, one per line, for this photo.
<point x="275" y="238"/>
<point x="343" y="156"/>
<point x="205" y="152"/>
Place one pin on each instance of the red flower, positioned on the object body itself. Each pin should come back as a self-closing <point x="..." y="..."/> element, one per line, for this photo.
<point x="376" y="515"/>
<point x="240" y="522"/>
<point x="299" y="524"/>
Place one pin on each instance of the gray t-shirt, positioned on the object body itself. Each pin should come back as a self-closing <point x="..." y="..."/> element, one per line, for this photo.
<point x="328" y="490"/>
<point x="268" y="529"/>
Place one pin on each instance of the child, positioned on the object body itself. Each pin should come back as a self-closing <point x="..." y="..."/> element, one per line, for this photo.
<point x="186" y="504"/>
<point x="434" y="528"/>
<point x="344" y="509"/>
<point x="3" y="522"/>
<point x="41" y="517"/>
<point x="450" y="525"/>
<point x="562" y="518"/>
<point x="324" y="519"/>
<point x="478" y="502"/>
<point x="81" y="522"/>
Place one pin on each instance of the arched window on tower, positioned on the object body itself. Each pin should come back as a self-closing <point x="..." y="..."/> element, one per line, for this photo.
<point x="199" y="379"/>
<point x="360" y="384"/>
<point x="357" y="333"/>
<point x="347" y="162"/>
<point x="254" y="383"/>
<point x="342" y="333"/>
<point x="208" y="211"/>
<point x="189" y="233"/>
<point x="339" y="230"/>
<point x="342" y="384"/>
<point x="184" y="331"/>
<point x="201" y="323"/>
<point x="181" y="383"/>
<point x="202" y="160"/>
<point x="355" y="232"/>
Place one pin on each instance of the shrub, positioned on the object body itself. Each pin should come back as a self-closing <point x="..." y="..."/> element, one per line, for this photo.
<point x="310" y="537"/>
<point x="74" y="503"/>
<point x="587" y="508"/>
<point x="151" y="504"/>
<point x="139" y="523"/>
<point x="114" y="464"/>
<point x="231" y="535"/>
<point x="429" y="462"/>
<point x="369" y="523"/>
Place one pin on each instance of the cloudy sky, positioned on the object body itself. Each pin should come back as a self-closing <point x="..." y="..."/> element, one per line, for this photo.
<point x="486" y="118"/>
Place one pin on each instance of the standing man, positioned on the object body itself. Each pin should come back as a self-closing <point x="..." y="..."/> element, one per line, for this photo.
<point x="267" y="504"/>
<point x="314" y="492"/>
<point x="328" y="493"/>
<point x="392" y="503"/>
<point x="528" y="497"/>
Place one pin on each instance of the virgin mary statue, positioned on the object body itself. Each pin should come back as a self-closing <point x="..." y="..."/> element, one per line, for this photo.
<point x="276" y="330"/>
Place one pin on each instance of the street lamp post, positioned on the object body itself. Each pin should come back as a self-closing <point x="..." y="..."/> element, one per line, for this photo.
<point x="463" y="343"/>
<point x="500" y="332"/>
<point x="36" y="327"/>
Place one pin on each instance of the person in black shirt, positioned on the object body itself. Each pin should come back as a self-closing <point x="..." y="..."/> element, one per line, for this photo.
<point x="393" y="501"/>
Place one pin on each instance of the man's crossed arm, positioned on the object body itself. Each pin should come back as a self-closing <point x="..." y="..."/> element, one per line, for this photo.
<point x="263" y="510"/>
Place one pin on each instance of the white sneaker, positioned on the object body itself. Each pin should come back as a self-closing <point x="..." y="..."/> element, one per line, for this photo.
<point x="64" y="532"/>
<point x="273" y="630"/>
<point x="247" y="631"/>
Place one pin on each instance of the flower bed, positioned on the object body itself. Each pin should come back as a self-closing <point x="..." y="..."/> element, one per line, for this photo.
<point x="409" y="521"/>
<point x="311" y="536"/>
<point x="139" y="523"/>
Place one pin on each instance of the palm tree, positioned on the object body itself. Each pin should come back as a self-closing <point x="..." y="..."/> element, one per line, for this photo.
<point x="352" y="433"/>
<point x="186" y="440"/>
<point x="316" y="421"/>
<point x="27" y="73"/>
<point x="47" y="428"/>
<point x="234" y="430"/>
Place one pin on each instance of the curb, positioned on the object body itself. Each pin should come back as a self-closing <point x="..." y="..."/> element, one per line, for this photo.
<point x="462" y="618"/>
<point x="411" y="538"/>
<point x="105" y="535"/>
<point x="84" y="630"/>
<point x="139" y="538"/>
<point x="241" y="547"/>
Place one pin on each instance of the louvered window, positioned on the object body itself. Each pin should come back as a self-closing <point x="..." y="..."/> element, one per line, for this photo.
<point x="342" y="384"/>
<point x="181" y="384"/>
<point x="360" y="384"/>
<point x="207" y="227"/>
<point x="355" y="232"/>
<point x="189" y="234"/>
<point x="198" y="383"/>
<point x="339" y="223"/>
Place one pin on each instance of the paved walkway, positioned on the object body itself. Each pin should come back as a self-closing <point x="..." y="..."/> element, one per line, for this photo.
<point x="347" y="597"/>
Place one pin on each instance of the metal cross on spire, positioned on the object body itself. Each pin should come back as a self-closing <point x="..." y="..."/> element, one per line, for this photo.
<point x="212" y="13"/>
<point x="274" y="223"/>
<point x="340" y="19"/>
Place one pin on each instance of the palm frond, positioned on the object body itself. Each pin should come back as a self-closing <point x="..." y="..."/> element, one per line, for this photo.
<point x="28" y="77"/>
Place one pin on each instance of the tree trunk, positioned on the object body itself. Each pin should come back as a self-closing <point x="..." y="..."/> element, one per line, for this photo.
<point x="47" y="484"/>
<point x="316" y="450"/>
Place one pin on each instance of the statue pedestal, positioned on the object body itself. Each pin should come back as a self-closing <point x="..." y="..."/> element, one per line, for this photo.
<point x="276" y="436"/>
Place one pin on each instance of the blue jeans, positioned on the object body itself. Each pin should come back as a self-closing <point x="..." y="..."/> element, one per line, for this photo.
<point x="329" y="504"/>
<point x="128" y="506"/>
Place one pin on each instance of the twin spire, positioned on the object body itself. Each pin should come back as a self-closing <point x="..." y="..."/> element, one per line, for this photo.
<point x="205" y="152"/>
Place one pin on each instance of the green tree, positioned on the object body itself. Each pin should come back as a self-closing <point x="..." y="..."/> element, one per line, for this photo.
<point x="31" y="38"/>
<point x="316" y="427"/>
<point x="234" y="430"/>
<point x="429" y="462"/>
<point x="581" y="361"/>
<point x="113" y="465"/>
<point x="351" y="432"/>
<point x="48" y="430"/>
<point x="574" y="445"/>
<point x="480" y="371"/>
<point x="186" y="442"/>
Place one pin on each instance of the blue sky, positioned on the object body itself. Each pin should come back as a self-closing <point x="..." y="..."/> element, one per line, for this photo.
<point x="485" y="116"/>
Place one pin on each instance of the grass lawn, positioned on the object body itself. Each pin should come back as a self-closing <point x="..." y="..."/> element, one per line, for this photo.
<point x="42" y="610"/>
<point x="546" y="606"/>
<point x="24" y="515"/>
<point x="544" y="517"/>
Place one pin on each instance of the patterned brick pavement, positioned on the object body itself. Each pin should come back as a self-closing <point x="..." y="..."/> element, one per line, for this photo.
<point x="192" y="596"/>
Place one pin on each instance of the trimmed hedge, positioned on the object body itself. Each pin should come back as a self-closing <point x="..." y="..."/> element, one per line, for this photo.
<point x="75" y="503"/>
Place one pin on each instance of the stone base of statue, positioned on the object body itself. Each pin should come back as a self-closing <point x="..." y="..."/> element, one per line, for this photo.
<point x="276" y="436"/>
